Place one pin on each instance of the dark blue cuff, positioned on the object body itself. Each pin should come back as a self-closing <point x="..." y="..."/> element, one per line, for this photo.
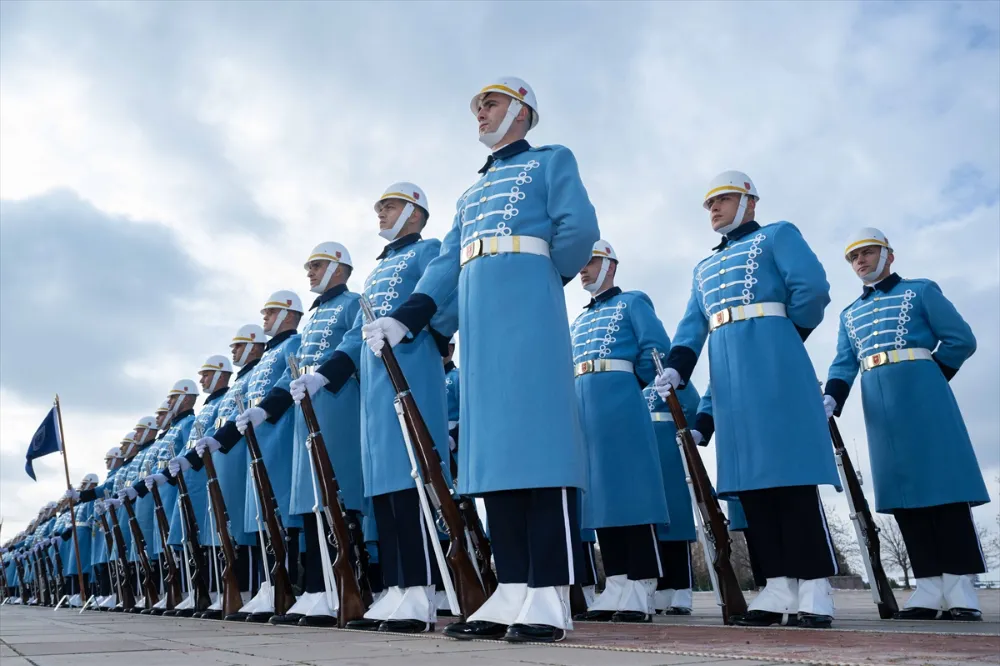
<point x="228" y="436"/>
<point x="276" y="403"/>
<point x="141" y="489"/>
<point x="88" y="495"/>
<point x="337" y="370"/>
<point x="837" y="389"/>
<point x="415" y="314"/>
<point x="682" y="359"/>
<point x="566" y="280"/>
<point x="441" y="341"/>
<point x="196" y="462"/>
<point x="67" y="534"/>
<point x="803" y="332"/>
<point x="705" y="424"/>
<point x="172" y="480"/>
<point x="946" y="370"/>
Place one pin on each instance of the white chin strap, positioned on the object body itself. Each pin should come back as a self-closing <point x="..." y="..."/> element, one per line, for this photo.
<point x="595" y="286"/>
<point x="490" y="139"/>
<point x="245" y="355"/>
<point x="271" y="332"/>
<point x="391" y="233"/>
<point x="215" y="381"/>
<point x="872" y="277"/>
<point x="331" y="268"/>
<point x="738" y="220"/>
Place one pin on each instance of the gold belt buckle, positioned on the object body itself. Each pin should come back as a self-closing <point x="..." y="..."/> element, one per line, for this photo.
<point x="584" y="368"/>
<point x="875" y="360"/>
<point x="472" y="250"/>
<point x="721" y="317"/>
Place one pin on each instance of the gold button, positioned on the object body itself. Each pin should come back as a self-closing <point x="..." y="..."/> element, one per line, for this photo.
<point x="721" y="271"/>
<point x="479" y="217"/>
<point x="492" y="169"/>
<point x="483" y="200"/>
<point x="875" y="322"/>
<point x="486" y="184"/>
<point x="876" y="345"/>
<point x="876" y="299"/>
<point x="875" y="310"/>
<point x="722" y="286"/>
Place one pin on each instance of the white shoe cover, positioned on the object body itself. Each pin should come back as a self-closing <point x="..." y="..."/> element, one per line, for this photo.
<point x="162" y="603"/>
<point x="417" y="603"/>
<point x="638" y="596"/>
<point x="662" y="599"/>
<point x="304" y="604"/>
<point x="504" y="604"/>
<point x="322" y="605"/>
<point x="589" y="594"/>
<point x="682" y="599"/>
<point x="959" y="592"/>
<point x="548" y="606"/>
<point x="610" y="598"/>
<point x="929" y="594"/>
<point x="262" y="601"/>
<point x="816" y="597"/>
<point x="382" y="609"/>
<point x="442" y="603"/>
<point x="780" y="595"/>
<point x="188" y="602"/>
<point x="74" y="601"/>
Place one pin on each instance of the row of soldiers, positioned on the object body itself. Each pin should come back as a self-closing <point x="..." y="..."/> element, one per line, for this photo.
<point x="562" y="433"/>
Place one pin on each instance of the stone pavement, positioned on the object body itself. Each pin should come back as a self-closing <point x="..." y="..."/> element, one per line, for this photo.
<point x="43" y="637"/>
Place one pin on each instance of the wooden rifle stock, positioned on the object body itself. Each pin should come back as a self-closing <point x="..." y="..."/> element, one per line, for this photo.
<point x="353" y="602"/>
<point x="196" y="556"/>
<point x="864" y="525"/>
<point x="717" y="533"/>
<point x="284" y="595"/>
<point x="127" y="600"/>
<point x="468" y="587"/>
<point x="116" y="579"/>
<point x="172" y="580"/>
<point x="148" y="585"/>
<point x="232" y="600"/>
<point x="480" y="543"/>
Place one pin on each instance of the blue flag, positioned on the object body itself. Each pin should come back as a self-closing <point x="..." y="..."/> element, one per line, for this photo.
<point x="47" y="439"/>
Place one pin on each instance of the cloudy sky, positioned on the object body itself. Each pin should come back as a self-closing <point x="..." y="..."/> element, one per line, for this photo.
<point x="166" y="166"/>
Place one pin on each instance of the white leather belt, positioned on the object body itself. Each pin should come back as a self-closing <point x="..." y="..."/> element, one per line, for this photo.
<point x="308" y="369"/>
<point x="743" y="312"/>
<point x="895" y="356"/>
<point x="602" y="365"/>
<point x="663" y="417"/>
<point x="483" y="247"/>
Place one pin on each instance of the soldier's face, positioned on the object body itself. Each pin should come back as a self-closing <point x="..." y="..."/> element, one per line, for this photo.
<point x="388" y="212"/>
<point x="205" y="378"/>
<point x="864" y="259"/>
<point x="590" y="272"/>
<point x="722" y="209"/>
<point x="316" y="269"/>
<point x="237" y="351"/>
<point x="491" y="112"/>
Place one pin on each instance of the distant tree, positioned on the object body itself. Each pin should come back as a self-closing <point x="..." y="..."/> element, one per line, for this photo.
<point x="845" y="541"/>
<point x="893" y="546"/>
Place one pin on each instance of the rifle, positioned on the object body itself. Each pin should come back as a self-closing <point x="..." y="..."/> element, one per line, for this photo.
<point x="148" y="585"/>
<point x="41" y="575"/>
<point x="196" y="556"/>
<point x="716" y="530"/>
<point x="172" y="581"/>
<point x="232" y="599"/>
<point x="433" y="488"/>
<point x="127" y="599"/>
<point x="865" y="528"/>
<point x="284" y="595"/>
<point x="19" y="565"/>
<point x="353" y="601"/>
<point x="113" y="571"/>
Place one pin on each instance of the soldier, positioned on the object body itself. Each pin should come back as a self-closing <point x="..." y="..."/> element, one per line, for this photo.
<point x="232" y="464"/>
<point x="334" y="310"/>
<point x="613" y="342"/>
<point x="82" y="537"/>
<point x="759" y="294"/>
<point x="908" y="341"/>
<point x="522" y="231"/>
<point x="408" y="566"/>
<point x="128" y="475"/>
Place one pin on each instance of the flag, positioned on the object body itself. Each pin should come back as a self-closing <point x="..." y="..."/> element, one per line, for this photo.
<point x="47" y="439"/>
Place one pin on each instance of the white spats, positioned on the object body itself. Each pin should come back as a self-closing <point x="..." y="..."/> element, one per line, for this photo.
<point x="381" y="609"/>
<point x="959" y="592"/>
<point x="929" y="594"/>
<point x="305" y="603"/>
<point x="816" y="597"/>
<point x="109" y="601"/>
<point x="546" y="605"/>
<point x="609" y="599"/>
<point x="780" y="595"/>
<point x="662" y="599"/>
<point x="441" y="600"/>
<point x="589" y="594"/>
<point x="682" y="599"/>
<point x="416" y="603"/>
<point x="323" y="606"/>
<point x="262" y="602"/>
<point x="75" y="601"/>
<point x="504" y="605"/>
<point x="187" y="603"/>
<point x="162" y="603"/>
<point x="637" y="595"/>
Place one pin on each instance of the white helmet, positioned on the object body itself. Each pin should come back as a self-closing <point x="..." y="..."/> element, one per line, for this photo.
<point x="113" y="453"/>
<point x="149" y="422"/>
<point x="90" y="479"/>
<point x="602" y="249"/>
<point x="284" y="300"/>
<point x="217" y="364"/>
<point x="163" y="408"/>
<point x="184" y="387"/>
<point x="520" y="93"/>
<point x="251" y="334"/>
<point x="333" y="252"/>
<point x="731" y="181"/>
<point x="49" y="506"/>
<point x="412" y="196"/>
<point x="864" y="238"/>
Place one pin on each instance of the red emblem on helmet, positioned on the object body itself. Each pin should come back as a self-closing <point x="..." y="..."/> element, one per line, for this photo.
<point x="416" y="195"/>
<point x="607" y="249"/>
<point x="337" y="253"/>
<point x="746" y="185"/>
<point x="522" y="92"/>
<point x="288" y="302"/>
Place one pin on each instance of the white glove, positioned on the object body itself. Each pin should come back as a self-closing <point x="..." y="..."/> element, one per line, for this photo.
<point x="71" y="494"/>
<point x="666" y="382"/>
<point x="99" y="507"/>
<point x="113" y="502"/>
<point x="452" y="444"/>
<point x="178" y="465"/>
<point x="311" y="382"/>
<point x="383" y="329"/>
<point x="254" y="416"/>
<point x="158" y="479"/>
<point x="130" y="492"/>
<point x="207" y="444"/>
<point x="829" y="404"/>
<point x="697" y="437"/>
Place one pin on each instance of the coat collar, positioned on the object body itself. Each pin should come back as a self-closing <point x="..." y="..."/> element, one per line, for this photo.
<point x="278" y="339"/>
<point x="885" y="286"/>
<point x="737" y="233"/>
<point x="509" y="150"/>
<point x="449" y="366"/>
<point x="603" y="296"/>
<point x="216" y="394"/>
<point x="180" y="416"/>
<point x="403" y="241"/>
<point x="329" y="295"/>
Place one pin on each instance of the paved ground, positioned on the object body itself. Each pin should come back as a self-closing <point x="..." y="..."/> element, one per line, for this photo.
<point x="43" y="637"/>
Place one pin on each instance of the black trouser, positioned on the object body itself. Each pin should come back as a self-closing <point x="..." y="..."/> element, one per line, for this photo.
<point x="790" y="532"/>
<point x="676" y="559"/>
<point x="752" y="552"/>
<point x="535" y="535"/>
<point x="103" y="579"/>
<point x="631" y="550"/>
<point x="404" y="544"/>
<point x="589" y="565"/>
<point x="941" y="539"/>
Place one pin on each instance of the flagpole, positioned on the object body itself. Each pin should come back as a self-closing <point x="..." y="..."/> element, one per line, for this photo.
<point x="72" y="512"/>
